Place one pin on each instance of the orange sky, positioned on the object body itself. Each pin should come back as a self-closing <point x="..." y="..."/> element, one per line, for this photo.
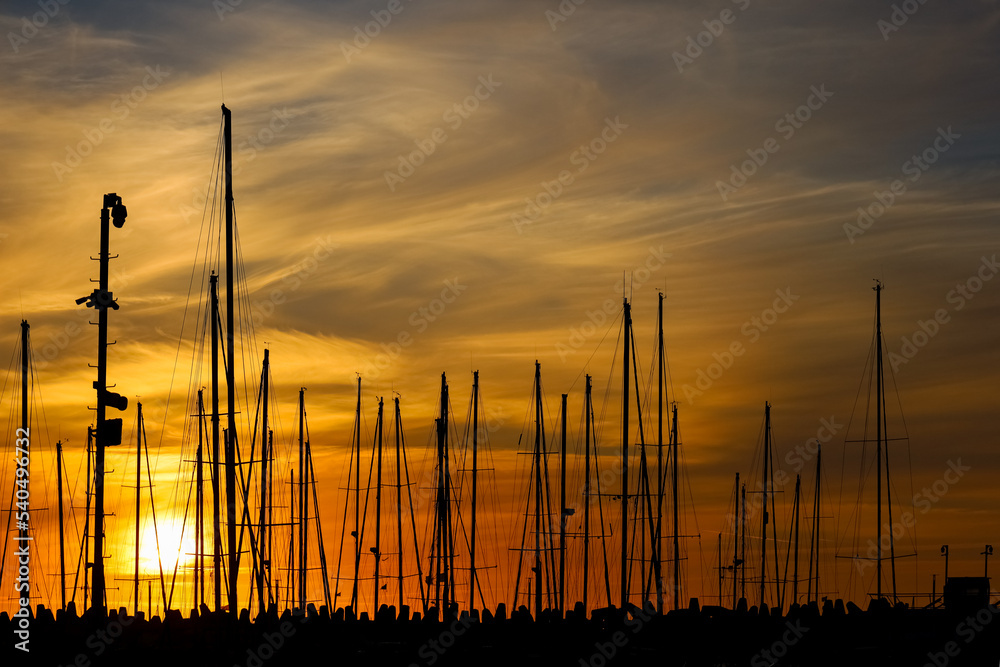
<point x="555" y="157"/>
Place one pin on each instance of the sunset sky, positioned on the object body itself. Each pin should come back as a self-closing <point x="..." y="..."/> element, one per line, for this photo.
<point x="427" y="187"/>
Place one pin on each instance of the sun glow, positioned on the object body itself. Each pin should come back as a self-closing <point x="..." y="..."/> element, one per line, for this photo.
<point x="175" y="550"/>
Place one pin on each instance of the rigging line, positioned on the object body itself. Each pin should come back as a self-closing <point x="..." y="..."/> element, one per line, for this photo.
<point x="596" y="348"/>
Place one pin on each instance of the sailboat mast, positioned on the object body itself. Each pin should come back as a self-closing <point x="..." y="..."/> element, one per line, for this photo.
<point x="878" y="432"/>
<point x="22" y="530"/>
<point x="814" y="538"/>
<point x="62" y="541"/>
<point x="262" y="520"/>
<point x="625" y="436"/>
<point x="538" y="490"/>
<point x="659" y="449"/>
<point x="213" y="282"/>
<point x="399" y="501"/>
<point x="736" y="538"/>
<point x="199" y="519"/>
<point x="586" y="493"/>
<point x="743" y="541"/>
<point x="138" y="494"/>
<point x="357" y="499"/>
<point x="302" y="502"/>
<point x="795" y="569"/>
<point x="378" y="504"/>
<point x="231" y="439"/>
<point x="763" y="523"/>
<point x="673" y="478"/>
<point x="475" y="472"/>
<point x="562" y="515"/>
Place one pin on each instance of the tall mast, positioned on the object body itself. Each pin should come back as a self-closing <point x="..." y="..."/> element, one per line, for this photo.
<point x="814" y="538"/>
<point x="538" y="490"/>
<point x="378" y="504"/>
<point x="625" y="436"/>
<point x="449" y="533"/>
<point x="795" y="569"/>
<point x="138" y="493"/>
<point x="743" y="540"/>
<point x="475" y="472"/>
<point x="303" y="526"/>
<point x="736" y="538"/>
<point x="22" y="526"/>
<point x="586" y="493"/>
<point x="108" y="431"/>
<point x="213" y="282"/>
<point x="673" y="477"/>
<point x="357" y="499"/>
<point x="262" y="520"/>
<point x="199" y="519"/>
<point x="232" y="441"/>
<point x="659" y="449"/>
<point x="62" y="541"/>
<point x="562" y="515"/>
<point x="878" y="432"/>
<point x="763" y="523"/>
<point x="399" y="502"/>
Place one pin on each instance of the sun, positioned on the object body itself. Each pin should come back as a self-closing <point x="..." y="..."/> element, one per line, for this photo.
<point x="173" y="548"/>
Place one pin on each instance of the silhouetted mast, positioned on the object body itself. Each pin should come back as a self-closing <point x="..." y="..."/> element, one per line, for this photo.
<point x="264" y="527"/>
<point x="213" y="282"/>
<point x="199" y="568"/>
<point x="62" y="536"/>
<point x="303" y="505"/>
<point x="399" y="503"/>
<point x="538" y="490"/>
<point x="108" y="431"/>
<point x="625" y="437"/>
<point x="586" y="491"/>
<point x="377" y="550"/>
<point x="764" y="519"/>
<point x="673" y="477"/>
<point x="232" y="441"/>
<point x="562" y="514"/>
<point x="22" y="526"/>
<point x="138" y="495"/>
<point x="475" y="472"/>
<point x="659" y="452"/>
<point x="357" y="499"/>
<point x="814" y="537"/>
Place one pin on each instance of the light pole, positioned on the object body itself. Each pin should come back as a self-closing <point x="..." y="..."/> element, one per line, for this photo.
<point x="986" y="560"/>
<point x="109" y="432"/>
